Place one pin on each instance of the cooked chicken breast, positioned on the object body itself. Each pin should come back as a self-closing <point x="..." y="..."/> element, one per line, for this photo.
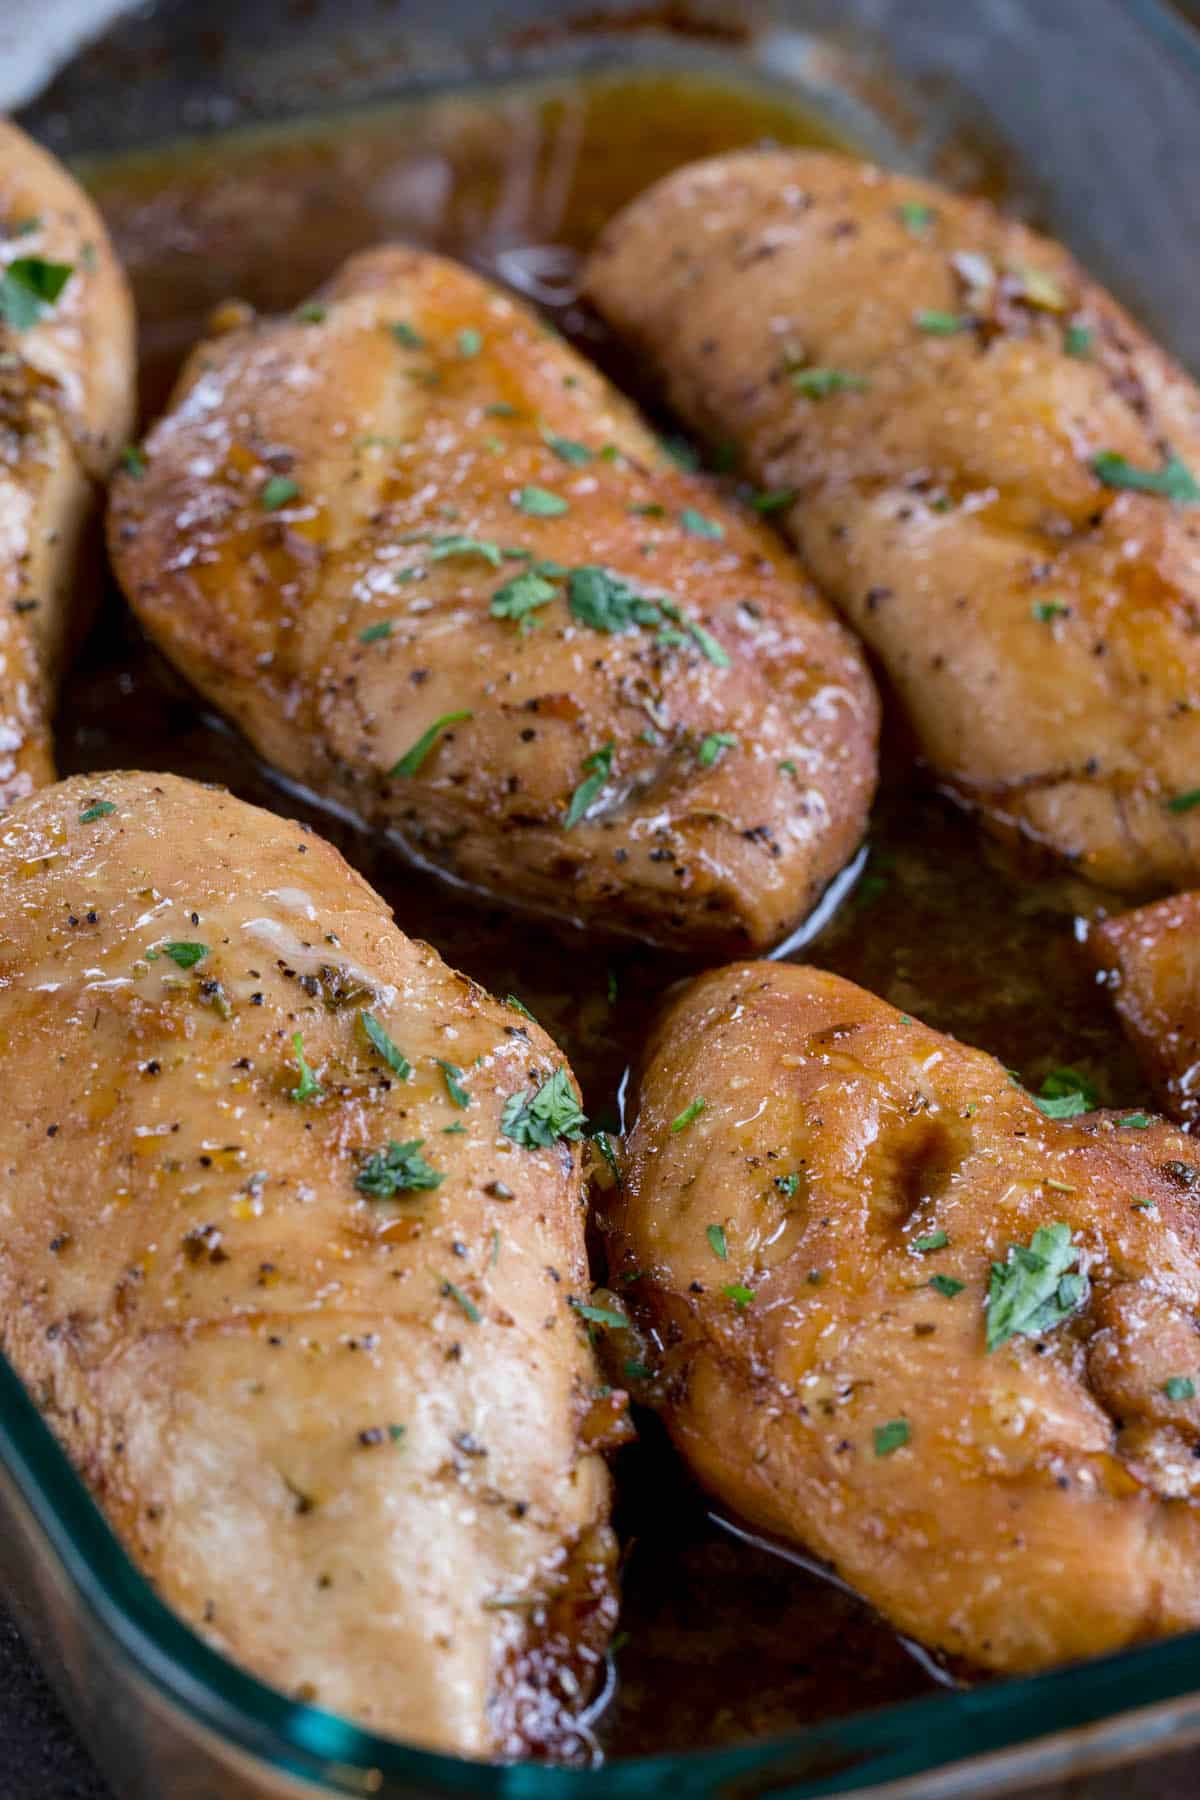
<point x="66" y="408"/>
<point x="994" y="471"/>
<point x="292" y="1243"/>
<point x="440" y="573"/>
<point x="895" y="1314"/>
<point x="1151" y="962"/>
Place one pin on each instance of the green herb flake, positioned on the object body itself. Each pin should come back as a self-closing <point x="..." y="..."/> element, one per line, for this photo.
<point x="566" y="450"/>
<point x="690" y="1112"/>
<point x="311" y="313"/>
<point x="818" y="384"/>
<point x="600" y="1315"/>
<point x="184" y="955"/>
<point x="697" y="525"/>
<point x="1077" y="340"/>
<point x="1179" y="1387"/>
<point x="29" y="287"/>
<point x="788" y="1184"/>
<point x="537" y="1119"/>
<point x="773" y="500"/>
<point x="519" y="1006"/>
<point x="470" y="343"/>
<point x="277" y="491"/>
<point x="521" y="597"/>
<point x="1174" y="481"/>
<point x="681" y="453"/>
<point x="892" y="1436"/>
<point x="1065" y="1094"/>
<point x="404" y="334"/>
<point x="133" y="461"/>
<point x="916" y="217"/>
<point x="1034" y="1290"/>
<point x="1181" y="803"/>
<point x="636" y="1371"/>
<point x="740" y="1295"/>
<point x="597" y="769"/>
<point x="309" y="1087"/>
<point x="1046" y="611"/>
<point x="936" y="1240"/>
<point x="604" y="1145"/>
<point x="450" y="1074"/>
<point x="468" y="1305"/>
<point x="397" y="1169"/>
<point x="374" y="633"/>
<point x="939" y="324"/>
<point x="606" y="603"/>
<point x="1138" y="1121"/>
<point x="396" y="1433"/>
<point x="946" y="1284"/>
<point x="453" y="545"/>
<point x="1140" y="1204"/>
<point x="381" y="1042"/>
<point x="714" y="746"/>
<point x="647" y="509"/>
<point x="412" y="759"/>
<point x="539" y="502"/>
<point x="716" y="1238"/>
<point x="99" y="809"/>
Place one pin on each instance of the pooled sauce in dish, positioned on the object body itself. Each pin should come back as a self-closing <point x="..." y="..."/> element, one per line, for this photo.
<point x="721" y="1638"/>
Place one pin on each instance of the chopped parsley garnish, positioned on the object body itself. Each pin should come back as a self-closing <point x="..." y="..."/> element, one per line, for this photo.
<point x="604" y="1145"/>
<point x="1034" y="1290"/>
<point x="741" y="1296"/>
<point x="385" y="1045"/>
<point x="469" y="1307"/>
<point x="787" y="1184"/>
<point x="818" y="384"/>
<point x="132" y="461"/>
<point x="519" y="1006"/>
<point x="311" y="313"/>
<point x="99" y="809"/>
<point x="697" y="525"/>
<point x="1065" y="1094"/>
<point x="916" y="217"/>
<point x="521" y="596"/>
<point x="396" y="1433"/>
<point x="450" y="1073"/>
<point x="452" y="545"/>
<point x="1181" y="803"/>
<point x="567" y="450"/>
<point x="715" y="652"/>
<point x="537" y="1120"/>
<point x="683" y="454"/>
<point x="1174" y="481"/>
<point x="184" y="955"/>
<point x="1077" y="340"/>
<point x="29" y="287"/>
<point x="647" y="509"/>
<point x="714" y="745"/>
<point x="716" y="1238"/>
<point x="470" y="342"/>
<point x="936" y="1240"/>
<point x="309" y="1087"/>
<point x="500" y="409"/>
<point x="277" y="491"/>
<point x="397" y="1169"/>
<point x="1046" y="611"/>
<point x="636" y="1371"/>
<point x="1140" y="1204"/>
<point x="1135" y="1121"/>
<point x="598" y="768"/>
<point x="412" y="759"/>
<point x="1179" y="1387"/>
<point x="539" y="502"/>
<point x="600" y="1315"/>
<point x="373" y="633"/>
<point x="404" y="334"/>
<point x="690" y="1112"/>
<point x="892" y="1436"/>
<point x="607" y="603"/>
<point x="946" y="1284"/>
<point x="939" y="324"/>
<point x="774" y="500"/>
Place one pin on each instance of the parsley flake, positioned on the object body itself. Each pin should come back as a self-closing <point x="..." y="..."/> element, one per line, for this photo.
<point x="1033" y="1291"/>
<point x="939" y="324"/>
<point x="1181" y="803"/>
<point x="1065" y="1094"/>
<point x="311" y="313"/>
<point x="309" y="1087"/>
<point x="936" y="1240"/>
<point x="1077" y="340"/>
<point x="696" y="525"/>
<point x="1136" y="1121"/>
<point x="604" y="1145"/>
<point x="892" y="1436"/>
<point x="539" y="502"/>
<point x="404" y="334"/>
<point x="454" y="545"/>
<point x="469" y="1307"/>
<point x="521" y="596"/>
<point x="373" y="633"/>
<point x="741" y="1296"/>
<point x="916" y="217"/>
<point x="598" y="768"/>
<point x="132" y="461"/>
<point x="184" y="955"/>
<point x="1174" y="481"/>
<point x="519" y="1006"/>
<point x="1046" y="611"/>
<point x="716" y="1238"/>
<point x="397" y="1169"/>
<point x="567" y="450"/>
<point x="607" y="603"/>
<point x="537" y="1120"/>
<point x="470" y="343"/>
<point x="600" y="1315"/>
<point x="773" y="500"/>
<point x="99" y="809"/>
<point x="29" y="287"/>
<point x="947" y="1285"/>
<point x="276" y="492"/>
<point x="818" y="384"/>
<point x="412" y="759"/>
<point x="450" y="1073"/>
<point x="385" y="1045"/>
<point x="714" y="746"/>
<point x="1179" y="1387"/>
<point x="690" y="1112"/>
<point x="787" y="1184"/>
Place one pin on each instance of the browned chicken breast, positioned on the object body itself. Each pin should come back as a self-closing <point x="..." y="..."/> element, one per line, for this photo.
<point x="66" y="408"/>
<point x="292" y="1245"/>
<point x="440" y="573"/>
<point x="994" y="475"/>
<point x="1151" y="961"/>
<point x="897" y="1315"/>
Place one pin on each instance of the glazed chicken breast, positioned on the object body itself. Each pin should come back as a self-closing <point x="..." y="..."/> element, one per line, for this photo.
<point x="66" y="408"/>
<point x="1150" y="960"/>
<point x="439" y="573"/>
<point x="894" y="1314"/>
<point x="292" y="1245"/>
<point x="994" y="474"/>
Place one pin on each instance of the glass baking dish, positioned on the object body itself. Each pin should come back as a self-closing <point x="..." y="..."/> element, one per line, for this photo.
<point x="1087" y="113"/>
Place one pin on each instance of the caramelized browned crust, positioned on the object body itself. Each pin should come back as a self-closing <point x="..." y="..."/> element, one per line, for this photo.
<point x="935" y="383"/>
<point x="727" y="738"/>
<point x="1151" y="960"/>
<point x="352" y="1437"/>
<point x="815" y="1248"/>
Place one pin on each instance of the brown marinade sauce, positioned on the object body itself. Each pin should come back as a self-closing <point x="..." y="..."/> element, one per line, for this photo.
<point x="724" y="1640"/>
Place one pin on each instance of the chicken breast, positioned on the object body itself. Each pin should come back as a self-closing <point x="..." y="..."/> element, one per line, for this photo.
<point x="291" y="1242"/>
<point x="438" y="572"/>
<point x="896" y="1315"/>
<point x="66" y="408"/>
<point x="994" y="475"/>
<point x="1150" y="959"/>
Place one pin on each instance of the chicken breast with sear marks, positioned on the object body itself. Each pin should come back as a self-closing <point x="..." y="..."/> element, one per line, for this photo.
<point x="896" y="1314"/>
<point x="66" y="408"/>
<point x="995" y="476"/>
<point x="439" y="572"/>
<point x="292" y="1234"/>
<point x="1150" y="959"/>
